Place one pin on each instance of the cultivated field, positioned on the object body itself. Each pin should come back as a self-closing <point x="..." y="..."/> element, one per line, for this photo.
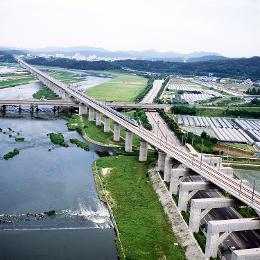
<point x="121" y="88"/>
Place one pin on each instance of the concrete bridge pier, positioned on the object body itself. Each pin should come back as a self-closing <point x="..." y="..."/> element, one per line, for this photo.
<point x="143" y="151"/>
<point x="116" y="136"/>
<point x="201" y="207"/>
<point x="188" y="190"/>
<point x="177" y="176"/>
<point x="128" y="141"/>
<point x="106" y="124"/>
<point x="91" y="114"/>
<point x="167" y="168"/>
<point x="246" y="254"/>
<point x="83" y="110"/>
<point x="98" y="118"/>
<point x="219" y="230"/>
<point x="161" y="161"/>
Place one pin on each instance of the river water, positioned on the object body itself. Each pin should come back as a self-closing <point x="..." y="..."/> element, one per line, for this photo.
<point x="37" y="181"/>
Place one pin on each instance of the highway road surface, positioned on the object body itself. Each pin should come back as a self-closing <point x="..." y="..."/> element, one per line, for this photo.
<point x="160" y="128"/>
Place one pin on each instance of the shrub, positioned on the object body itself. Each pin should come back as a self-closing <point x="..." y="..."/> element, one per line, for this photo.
<point x="19" y="139"/>
<point x="57" y="138"/>
<point x="140" y="114"/>
<point x="79" y="143"/>
<point x="11" y="154"/>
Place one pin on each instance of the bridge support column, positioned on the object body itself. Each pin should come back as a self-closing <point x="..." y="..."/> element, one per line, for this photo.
<point x="82" y="110"/>
<point x="177" y="175"/>
<point x="98" y="118"/>
<point x="167" y="168"/>
<point x="106" y="124"/>
<point x="215" y="228"/>
<point x="116" y="136"/>
<point x="246" y="254"/>
<point x="128" y="141"/>
<point x="91" y="114"/>
<point x="143" y="151"/>
<point x="188" y="190"/>
<point x="161" y="161"/>
<point x="201" y="207"/>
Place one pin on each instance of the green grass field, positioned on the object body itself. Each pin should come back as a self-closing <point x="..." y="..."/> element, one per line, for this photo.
<point x="123" y="87"/>
<point x="144" y="229"/>
<point x="96" y="133"/>
<point x="65" y="76"/>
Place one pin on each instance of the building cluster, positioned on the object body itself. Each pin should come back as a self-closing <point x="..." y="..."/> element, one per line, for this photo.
<point x="227" y="130"/>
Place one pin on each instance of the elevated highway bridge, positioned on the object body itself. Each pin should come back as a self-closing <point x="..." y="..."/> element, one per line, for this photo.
<point x="222" y="180"/>
<point x="167" y="152"/>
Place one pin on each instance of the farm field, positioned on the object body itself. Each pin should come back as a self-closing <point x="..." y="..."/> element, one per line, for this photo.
<point x="123" y="87"/>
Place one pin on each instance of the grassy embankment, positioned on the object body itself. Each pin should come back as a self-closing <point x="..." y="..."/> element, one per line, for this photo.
<point x="96" y="133"/>
<point x="123" y="88"/>
<point x="16" y="81"/>
<point x="145" y="232"/>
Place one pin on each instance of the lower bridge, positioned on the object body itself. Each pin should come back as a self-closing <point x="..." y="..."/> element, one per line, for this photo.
<point x="61" y="102"/>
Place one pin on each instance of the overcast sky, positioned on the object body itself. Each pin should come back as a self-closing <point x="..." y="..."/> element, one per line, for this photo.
<point x="229" y="27"/>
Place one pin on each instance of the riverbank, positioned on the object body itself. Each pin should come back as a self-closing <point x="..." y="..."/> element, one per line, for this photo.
<point x="144" y="229"/>
<point x="96" y="134"/>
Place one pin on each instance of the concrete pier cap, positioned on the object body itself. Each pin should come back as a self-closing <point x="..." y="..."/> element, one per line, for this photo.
<point x="188" y="190"/>
<point x="225" y="228"/>
<point x="199" y="208"/>
<point x="177" y="176"/>
<point x="246" y="254"/>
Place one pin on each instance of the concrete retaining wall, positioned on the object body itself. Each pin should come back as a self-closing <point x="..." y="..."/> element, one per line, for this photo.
<point x="179" y="226"/>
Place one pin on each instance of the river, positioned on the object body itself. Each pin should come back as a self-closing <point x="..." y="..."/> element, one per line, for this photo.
<point x="38" y="180"/>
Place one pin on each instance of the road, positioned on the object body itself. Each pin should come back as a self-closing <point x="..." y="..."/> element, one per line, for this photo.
<point x="153" y="92"/>
<point x="160" y="128"/>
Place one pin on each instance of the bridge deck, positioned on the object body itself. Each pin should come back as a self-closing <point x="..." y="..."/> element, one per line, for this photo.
<point x="60" y="102"/>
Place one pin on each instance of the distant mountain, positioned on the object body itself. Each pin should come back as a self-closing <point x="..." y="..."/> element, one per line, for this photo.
<point x="242" y="68"/>
<point x="141" y="55"/>
<point x="206" y="58"/>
